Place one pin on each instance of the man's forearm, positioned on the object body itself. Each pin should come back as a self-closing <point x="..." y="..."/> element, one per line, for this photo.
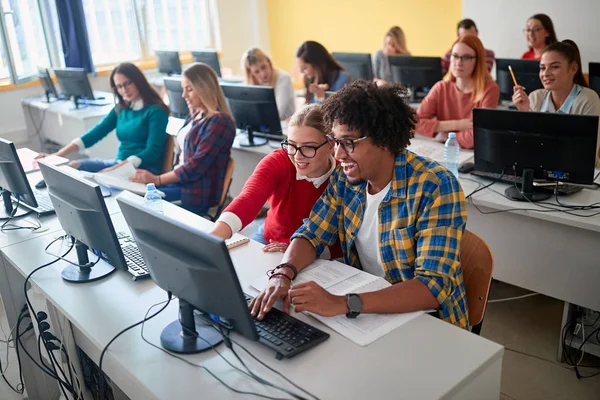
<point x="300" y="254"/>
<point x="402" y="297"/>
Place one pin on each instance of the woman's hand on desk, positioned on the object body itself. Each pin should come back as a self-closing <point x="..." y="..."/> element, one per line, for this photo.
<point x="520" y="98"/>
<point x="277" y="288"/>
<point x="275" y="247"/>
<point x="143" y="176"/>
<point x="309" y="296"/>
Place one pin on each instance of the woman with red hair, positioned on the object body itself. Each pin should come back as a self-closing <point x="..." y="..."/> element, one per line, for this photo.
<point x="448" y="106"/>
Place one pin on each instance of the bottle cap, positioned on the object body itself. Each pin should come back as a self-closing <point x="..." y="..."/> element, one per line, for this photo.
<point x="452" y="135"/>
<point x="150" y="186"/>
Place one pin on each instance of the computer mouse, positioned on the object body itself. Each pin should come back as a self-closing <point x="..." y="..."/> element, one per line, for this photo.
<point x="41" y="184"/>
<point x="467" y="167"/>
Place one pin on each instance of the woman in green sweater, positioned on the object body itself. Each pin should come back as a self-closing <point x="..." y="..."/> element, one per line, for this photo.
<point x="140" y="118"/>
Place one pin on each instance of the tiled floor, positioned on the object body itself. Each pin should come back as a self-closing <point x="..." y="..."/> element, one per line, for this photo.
<point x="528" y="328"/>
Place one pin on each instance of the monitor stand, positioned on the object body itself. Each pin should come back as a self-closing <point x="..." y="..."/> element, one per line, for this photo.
<point x="7" y="211"/>
<point x="251" y="141"/>
<point x="85" y="271"/>
<point x="78" y="105"/>
<point x="527" y="191"/>
<point x="186" y="336"/>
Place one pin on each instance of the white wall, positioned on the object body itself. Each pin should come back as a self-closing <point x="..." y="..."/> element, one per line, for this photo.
<point x="501" y="24"/>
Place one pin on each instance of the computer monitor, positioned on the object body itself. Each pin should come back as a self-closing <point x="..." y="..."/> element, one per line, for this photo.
<point x="177" y="104"/>
<point x="168" y="62"/>
<point x="75" y="84"/>
<point x="82" y="213"/>
<point x="419" y="74"/>
<point x="527" y="73"/>
<point x="209" y="57"/>
<point x="358" y="65"/>
<point x="254" y="110"/>
<point x="594" y="75"/>
<point x="196" y="268"/>
<point x="47" y="84"/>
<point x="13" y="182"/>
<point x="555" y="147"/>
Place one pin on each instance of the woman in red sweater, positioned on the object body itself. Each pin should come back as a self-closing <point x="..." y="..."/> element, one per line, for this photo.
<point x="448" y="107"/>
<point x="290" y="179"/>
<point x="540" y="34"/>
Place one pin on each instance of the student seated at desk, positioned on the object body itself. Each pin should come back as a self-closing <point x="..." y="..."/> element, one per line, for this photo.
<point x="468" y="26"/>
<point x="540" y="33"/>
<point x="565" y="88"/>
<point x="259" y="71"/>
<point x="394" y="44"/>
<point x="396" y="215"/>
<point x="140" y="118"/>
<point x="321" y="71"/>
<point x="290" y="179"/>
<point x="448" y="107"/>
<point x="203" y="145"/>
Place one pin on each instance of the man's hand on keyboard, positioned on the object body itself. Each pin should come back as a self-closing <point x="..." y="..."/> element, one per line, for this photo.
<point x="277" y="288"/>
<point x="309" y="296"/>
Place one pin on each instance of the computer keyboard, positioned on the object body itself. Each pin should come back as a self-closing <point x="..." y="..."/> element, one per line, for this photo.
<point x="285" y="334"/>
<point x="512" y="179"/>
<point x="135" y="262"/>
<point x="45" y="206"/>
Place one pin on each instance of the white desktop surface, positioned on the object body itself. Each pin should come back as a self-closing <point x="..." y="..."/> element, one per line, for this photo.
<point x="425" y="359"/>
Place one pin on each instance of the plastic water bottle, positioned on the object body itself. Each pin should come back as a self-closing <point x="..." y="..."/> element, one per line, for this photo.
<point x="451" y="153"/>
<point x="152" y="199"/>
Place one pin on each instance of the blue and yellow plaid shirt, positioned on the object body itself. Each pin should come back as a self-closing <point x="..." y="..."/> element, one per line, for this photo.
<point x="421" y="222"/>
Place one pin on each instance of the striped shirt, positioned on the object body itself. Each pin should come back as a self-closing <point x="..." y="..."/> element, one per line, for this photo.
<point x="490" y="59"/>
<point x="421" y="222"/>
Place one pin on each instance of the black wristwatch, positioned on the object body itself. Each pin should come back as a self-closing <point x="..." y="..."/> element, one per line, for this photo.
<point x="355" y="305"/>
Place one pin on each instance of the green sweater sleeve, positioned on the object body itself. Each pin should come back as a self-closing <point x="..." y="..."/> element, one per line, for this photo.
<point x="157" y="133"/>
<point x="99" y="132"/>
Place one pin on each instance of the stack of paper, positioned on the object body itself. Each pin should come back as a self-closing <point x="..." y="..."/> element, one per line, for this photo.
<point x="429" y="148"/>
<point x="341" y="279"/>
<point x="29" y="163"/>
<point x="118" y="178"/>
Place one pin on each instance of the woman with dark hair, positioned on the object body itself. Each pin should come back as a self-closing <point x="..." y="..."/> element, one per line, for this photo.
<point x="540" y="33"/>
<point x="321" y="71"/>
<point x="565" y="89"/>
<point x="140" y="118"/>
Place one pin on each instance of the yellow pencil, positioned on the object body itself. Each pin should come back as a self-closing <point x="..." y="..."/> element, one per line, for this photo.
<point x="237" y="243"/>
<point x="513" y="75"/>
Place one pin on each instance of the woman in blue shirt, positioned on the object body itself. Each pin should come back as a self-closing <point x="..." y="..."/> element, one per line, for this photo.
<point x="321" y="71"/>
<point x="140" y="118"/>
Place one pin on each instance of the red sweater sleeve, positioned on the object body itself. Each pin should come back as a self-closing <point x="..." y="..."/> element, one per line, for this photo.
<point x="267" y="176"/>
<point x="427" y="111"/>
<point x="489" y="100"/>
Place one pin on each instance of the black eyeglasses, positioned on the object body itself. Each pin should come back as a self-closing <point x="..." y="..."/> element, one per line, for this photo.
<point x="347" y="144"/>
<point x="123" y="85"/>
<point x="306" y="151"/>
<point x="465" y="58"/>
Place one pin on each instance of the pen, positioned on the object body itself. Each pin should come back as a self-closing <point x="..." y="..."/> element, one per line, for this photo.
<point x="513" y="75"/>
<point x="237" y="243"/>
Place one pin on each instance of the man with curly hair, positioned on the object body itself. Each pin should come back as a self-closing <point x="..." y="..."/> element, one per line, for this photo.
<point x="397" y="215"/>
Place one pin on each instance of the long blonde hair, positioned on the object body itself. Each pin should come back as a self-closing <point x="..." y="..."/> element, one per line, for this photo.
<point x="480" y="76"/>
<point x="256" y="56"/>
<point x="206" y="84"/>
<point x="397" y="35"/>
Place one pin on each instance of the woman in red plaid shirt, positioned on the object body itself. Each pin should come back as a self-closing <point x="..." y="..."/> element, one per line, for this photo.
<point x="203" y="145"/>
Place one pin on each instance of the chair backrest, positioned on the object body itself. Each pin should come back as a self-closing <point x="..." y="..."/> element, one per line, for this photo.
<point x="227" y="181"/>
<point x="169" y="154"/>
<point x="478" y="266"/>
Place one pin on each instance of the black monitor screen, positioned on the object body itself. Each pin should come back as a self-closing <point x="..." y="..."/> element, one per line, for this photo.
<point x="527" y="73"/>
<point x="46" y="82"/>
<point x="555" y="146"/>
<point x="416" y="72"/>
<point x="177" y="104"/>
<point x="74" y="83"/>
<point x="168" y="62"/>
<point x="208" y="57"/>
<point x="358" y="65"/>
<point x="12" y="175"/>
<point x="594" y="74"/>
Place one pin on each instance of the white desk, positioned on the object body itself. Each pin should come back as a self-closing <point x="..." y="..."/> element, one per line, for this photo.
<point x="59" y="122"/>
<point x="424" y="359"/>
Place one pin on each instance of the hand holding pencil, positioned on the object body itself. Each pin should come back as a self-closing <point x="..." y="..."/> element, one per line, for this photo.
<point x="519" y="97"/>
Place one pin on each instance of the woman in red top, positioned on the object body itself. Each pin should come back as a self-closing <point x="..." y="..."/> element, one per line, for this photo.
<point x="540" y="33"/>
<point x="448" y="107"/>
<point x="290" y="179"/>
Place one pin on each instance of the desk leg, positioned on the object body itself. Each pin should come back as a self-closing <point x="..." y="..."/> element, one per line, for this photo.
<point x="38" y="385"/>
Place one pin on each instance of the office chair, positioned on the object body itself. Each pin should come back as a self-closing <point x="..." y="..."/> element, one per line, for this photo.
<point x="214" y="213"/>
<point x="477" y="265"/>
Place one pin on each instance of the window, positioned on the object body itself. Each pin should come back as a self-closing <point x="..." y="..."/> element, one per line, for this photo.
<point x="24" y="46"/>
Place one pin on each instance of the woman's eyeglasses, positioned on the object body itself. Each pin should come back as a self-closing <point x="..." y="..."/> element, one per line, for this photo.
<point x="306" y="151"/>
